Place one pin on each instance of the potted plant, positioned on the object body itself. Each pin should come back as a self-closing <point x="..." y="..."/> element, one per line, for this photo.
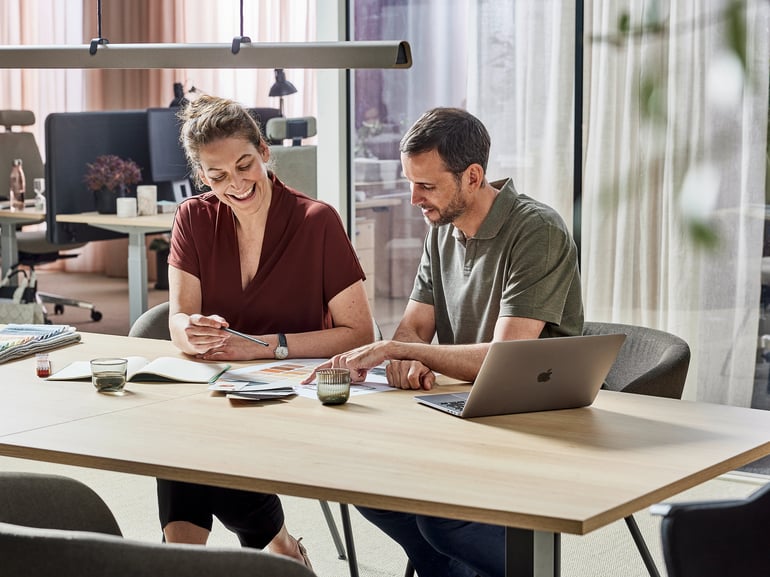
<point x="110" y="177"/>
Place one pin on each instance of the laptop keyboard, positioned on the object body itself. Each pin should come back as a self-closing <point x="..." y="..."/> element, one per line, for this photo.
<point x="454" y="406"/>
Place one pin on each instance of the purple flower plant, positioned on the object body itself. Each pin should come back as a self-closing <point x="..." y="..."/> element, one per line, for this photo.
<point x="112" y="173"/>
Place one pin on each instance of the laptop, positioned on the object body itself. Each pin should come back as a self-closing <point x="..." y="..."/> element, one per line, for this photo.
<point x="525" y="376"/>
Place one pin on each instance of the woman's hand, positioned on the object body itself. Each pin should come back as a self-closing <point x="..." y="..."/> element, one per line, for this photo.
<point x="212" y="343"/>
<point x="204" y="333"/>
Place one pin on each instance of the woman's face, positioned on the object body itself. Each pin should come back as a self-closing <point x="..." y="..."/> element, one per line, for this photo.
<point x="235" y="171"/>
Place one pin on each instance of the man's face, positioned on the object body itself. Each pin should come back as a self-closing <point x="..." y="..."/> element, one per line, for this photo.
<point x="438" y="192"/>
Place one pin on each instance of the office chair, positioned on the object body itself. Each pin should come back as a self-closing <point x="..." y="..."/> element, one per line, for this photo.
<point x="36" y="552"/>
<point x="153" y="324"/>
<point x="33" y="246"/>
<point x="717" y="538"/>
<point x="294" y="165"/>
<point x="650" y="362"/>
<point x="53" y="502"/>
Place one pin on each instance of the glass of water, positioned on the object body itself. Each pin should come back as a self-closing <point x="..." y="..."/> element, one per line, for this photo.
<point x="38" y="186"/>
<point x="108" y="375"/>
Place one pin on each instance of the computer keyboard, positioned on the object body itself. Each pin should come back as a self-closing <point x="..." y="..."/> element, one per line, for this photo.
<point x="455" y="407"/>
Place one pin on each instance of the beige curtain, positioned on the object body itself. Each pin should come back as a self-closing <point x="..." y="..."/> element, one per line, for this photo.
<point x="697" y="153"/>
<point x="521" y="82"/>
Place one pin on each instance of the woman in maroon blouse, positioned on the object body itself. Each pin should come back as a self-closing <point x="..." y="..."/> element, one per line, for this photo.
<point x="265" y="260"/>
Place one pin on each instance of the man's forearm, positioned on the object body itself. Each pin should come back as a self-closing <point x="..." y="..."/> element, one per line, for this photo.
<point x="456" y="361"/>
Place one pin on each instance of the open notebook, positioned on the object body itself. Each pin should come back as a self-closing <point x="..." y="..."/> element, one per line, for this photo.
<point x="534" y="375"/>
<point x="162" y="369"/>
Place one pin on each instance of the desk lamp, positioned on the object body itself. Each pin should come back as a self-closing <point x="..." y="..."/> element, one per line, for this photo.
<point x="281" y="88"/>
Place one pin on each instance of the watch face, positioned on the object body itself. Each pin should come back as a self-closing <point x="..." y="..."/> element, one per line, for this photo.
<point x="281" y="353"/>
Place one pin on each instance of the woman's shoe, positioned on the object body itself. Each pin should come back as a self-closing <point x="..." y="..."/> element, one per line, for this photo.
<point x="303" y="552"/>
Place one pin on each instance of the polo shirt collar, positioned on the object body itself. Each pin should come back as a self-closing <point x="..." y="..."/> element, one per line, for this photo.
<point x="498" y="213"/>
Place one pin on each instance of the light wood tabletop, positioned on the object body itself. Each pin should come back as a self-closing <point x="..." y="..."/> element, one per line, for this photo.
<point x="150" y="223"/>
<point x="554" y="472"/>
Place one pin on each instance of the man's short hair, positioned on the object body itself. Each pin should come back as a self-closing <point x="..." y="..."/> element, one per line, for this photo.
<point x="460" y="138"/>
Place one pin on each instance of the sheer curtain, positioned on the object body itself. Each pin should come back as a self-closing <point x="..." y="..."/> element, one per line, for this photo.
<point x="647" y="177"/>
<point x="639" y="262"/>
<point x="521" y="83"/>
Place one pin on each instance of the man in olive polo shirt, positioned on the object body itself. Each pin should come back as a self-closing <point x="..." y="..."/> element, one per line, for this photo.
<point x="496" y="265"/>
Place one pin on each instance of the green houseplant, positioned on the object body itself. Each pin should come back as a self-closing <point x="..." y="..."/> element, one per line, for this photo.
<point x="110" y="177"/>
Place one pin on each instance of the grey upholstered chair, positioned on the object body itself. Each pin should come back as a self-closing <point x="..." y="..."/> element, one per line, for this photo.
<point x="717" y="538"/>
<point x="52" y="525"/>
<point x="153" y="324"/>
<point x="650" y="362"/>
<point x="53" y="502"/>
<point x="40" y="552"/>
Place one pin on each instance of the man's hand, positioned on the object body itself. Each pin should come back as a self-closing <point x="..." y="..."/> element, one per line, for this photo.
<point x="400" y="374"/>
<point x="410" y="375"/>
<point x="358" y="361"/>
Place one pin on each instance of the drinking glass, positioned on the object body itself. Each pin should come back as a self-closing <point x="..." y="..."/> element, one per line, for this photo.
<point x="108" y="375"/>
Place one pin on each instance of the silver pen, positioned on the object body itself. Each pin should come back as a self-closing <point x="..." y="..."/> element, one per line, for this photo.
<point x="245" y="336"/>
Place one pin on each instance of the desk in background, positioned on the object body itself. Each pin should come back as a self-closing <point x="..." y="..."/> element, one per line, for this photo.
<point x="136" y="228"/>
<point x="539" y="474"/>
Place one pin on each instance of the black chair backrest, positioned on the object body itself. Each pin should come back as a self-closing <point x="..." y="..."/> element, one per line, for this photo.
<point x="718" y="538"/>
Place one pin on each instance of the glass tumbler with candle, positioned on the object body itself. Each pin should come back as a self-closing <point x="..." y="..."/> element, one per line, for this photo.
<point x="333" y="386"/>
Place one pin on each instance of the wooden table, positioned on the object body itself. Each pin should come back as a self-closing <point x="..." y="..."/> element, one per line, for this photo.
<point x="9" y="219"/>
<point x="136" y="228"/>
<point x="539" y="474"/>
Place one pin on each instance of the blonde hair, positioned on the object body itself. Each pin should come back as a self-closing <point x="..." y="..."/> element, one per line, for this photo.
<point x="210" y="118"/>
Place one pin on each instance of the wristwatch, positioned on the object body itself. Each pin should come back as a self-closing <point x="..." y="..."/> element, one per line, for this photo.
<point x="282" y="350"/>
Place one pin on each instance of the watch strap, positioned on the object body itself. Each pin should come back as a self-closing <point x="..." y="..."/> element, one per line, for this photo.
<point x="282" y="350"/>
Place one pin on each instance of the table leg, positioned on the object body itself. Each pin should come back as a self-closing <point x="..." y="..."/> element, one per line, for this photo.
<point x="532" y="553"/>
<point x="137" y="276"/>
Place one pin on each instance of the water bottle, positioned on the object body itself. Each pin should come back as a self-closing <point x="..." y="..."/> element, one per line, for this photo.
<point x="18" y="185"/>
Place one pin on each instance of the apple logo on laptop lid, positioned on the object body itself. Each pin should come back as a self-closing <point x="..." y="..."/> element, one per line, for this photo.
<point x="545" y="376"/>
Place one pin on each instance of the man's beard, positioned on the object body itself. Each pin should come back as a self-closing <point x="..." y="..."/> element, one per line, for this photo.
<point x="452" y="212"/>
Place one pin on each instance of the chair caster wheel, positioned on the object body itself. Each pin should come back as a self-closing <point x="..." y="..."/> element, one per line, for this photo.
<point x="96" y="316"/>
<point x="58" y="309"/>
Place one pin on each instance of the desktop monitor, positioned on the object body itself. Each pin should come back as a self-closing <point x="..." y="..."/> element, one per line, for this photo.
<point x="73" y="139"/>
<point x="168" y="164"/>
